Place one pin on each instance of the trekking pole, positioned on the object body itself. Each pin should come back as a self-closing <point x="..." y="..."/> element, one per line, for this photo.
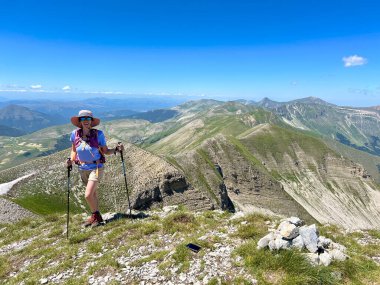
<point x="125" y="179"/>
<point x="69" y="168"/>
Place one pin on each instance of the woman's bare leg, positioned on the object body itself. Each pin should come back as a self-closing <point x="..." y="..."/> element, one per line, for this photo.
<point x="91" y="196"/>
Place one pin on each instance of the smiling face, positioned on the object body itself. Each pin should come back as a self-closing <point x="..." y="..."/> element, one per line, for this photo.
<point x="85" y="122"/>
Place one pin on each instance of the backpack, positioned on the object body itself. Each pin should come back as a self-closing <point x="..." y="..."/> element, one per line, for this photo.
<point x="92" y="141"/>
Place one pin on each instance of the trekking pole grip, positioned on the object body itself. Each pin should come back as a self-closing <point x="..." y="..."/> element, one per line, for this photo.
<point x="69" y="167"/>
<point x="121" y="152"/>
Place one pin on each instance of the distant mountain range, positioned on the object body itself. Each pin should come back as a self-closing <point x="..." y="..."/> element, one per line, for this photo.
<point x="26" y="120"/>
<point x="284" y="159"/>
<point x="355" y="127"/>
<point x="100" y="106"/>
<point x="25" y="116"/>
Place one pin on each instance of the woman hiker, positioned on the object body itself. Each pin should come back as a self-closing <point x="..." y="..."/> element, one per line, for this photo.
<point x="88" y="150"/>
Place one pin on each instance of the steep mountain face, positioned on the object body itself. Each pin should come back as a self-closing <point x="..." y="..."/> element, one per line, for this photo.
<point x="270" y="168"/>
<point x="26" y="120"/>
<point x="331" y="188"/>
<point x="357" y="128"/>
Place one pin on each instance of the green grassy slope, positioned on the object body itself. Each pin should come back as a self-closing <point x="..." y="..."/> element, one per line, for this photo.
<point x="128" y="251"/>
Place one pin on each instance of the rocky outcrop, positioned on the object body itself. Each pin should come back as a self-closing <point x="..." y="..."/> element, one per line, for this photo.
<point x="226" y="203"/>
<point x="154" y="182"/>
<point x="292" y="234"/>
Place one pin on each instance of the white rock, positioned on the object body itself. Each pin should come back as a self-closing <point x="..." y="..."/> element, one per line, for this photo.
<point x="272" y="244"/>
<point x="44" y="281"/>
<point x="298" y="243"/>
<point x="168" y="209"/>
<point x="336" y="254"/>
<point x="282" y="244"/>
<point x="295" y="221"/>
<point x="310" y="237"/>
<point x="282" y="224"/>
<point x="182" y="277"/>
<point x="278" y="243"/>
<point x="324" y="242"/>
<point x="313" y="258"/>
<point x="264" y="242"/>
<point x="237" y="215"/>
<point x="325" y="259"/>
<point x="288" y="231"/>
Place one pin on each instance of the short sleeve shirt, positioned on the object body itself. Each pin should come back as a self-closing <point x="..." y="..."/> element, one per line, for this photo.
<point x="87" y="154"/>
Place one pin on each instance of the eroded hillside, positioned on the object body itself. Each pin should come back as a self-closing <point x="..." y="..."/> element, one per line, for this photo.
<point x="271" y="168"/>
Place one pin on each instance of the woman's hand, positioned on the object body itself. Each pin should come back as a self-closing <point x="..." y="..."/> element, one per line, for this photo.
<point x="119" y="147"/>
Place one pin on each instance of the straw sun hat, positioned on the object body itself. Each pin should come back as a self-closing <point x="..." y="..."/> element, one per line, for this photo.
<point x="84" y="113"/>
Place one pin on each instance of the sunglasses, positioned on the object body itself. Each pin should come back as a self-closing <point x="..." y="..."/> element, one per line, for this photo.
<point x="81" y="119"/>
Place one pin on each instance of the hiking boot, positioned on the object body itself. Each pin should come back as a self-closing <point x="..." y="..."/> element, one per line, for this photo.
<point x="98" y="220"/>
<point x="90" y="220"/>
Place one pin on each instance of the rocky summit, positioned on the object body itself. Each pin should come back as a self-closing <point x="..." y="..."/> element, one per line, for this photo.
<point x="153" y="247"/>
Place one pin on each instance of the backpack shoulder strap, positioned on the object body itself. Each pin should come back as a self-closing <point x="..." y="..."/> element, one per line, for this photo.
<point x="103" y="158"/>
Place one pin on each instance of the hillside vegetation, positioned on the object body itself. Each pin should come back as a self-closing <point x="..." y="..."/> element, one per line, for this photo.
<point x="151" y="248"/>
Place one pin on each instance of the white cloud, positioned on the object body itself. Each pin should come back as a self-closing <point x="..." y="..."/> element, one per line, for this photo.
<point x="66" y="88"/>
<point x="354" y="60"/>
<point x="36" y="86"/>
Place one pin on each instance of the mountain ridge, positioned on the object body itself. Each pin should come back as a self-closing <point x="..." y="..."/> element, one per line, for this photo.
<point x="261" y="155"/>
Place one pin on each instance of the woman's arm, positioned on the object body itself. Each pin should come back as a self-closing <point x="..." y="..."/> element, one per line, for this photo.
<point x="108" y="151"/>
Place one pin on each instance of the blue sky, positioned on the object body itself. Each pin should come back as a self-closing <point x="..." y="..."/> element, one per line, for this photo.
<point x="283" y="50"/>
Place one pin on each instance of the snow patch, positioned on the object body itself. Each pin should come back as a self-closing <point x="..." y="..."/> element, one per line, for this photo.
<point x="5" y="187"/>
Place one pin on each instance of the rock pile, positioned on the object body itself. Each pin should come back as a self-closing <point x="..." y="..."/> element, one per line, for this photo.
<point x="292" y="234"/>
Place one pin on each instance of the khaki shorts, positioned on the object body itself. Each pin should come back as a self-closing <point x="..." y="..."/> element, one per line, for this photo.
<point x="90" y="175"/>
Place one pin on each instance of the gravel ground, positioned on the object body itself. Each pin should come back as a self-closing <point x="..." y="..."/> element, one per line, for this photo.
<point x="11" y="212"/>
